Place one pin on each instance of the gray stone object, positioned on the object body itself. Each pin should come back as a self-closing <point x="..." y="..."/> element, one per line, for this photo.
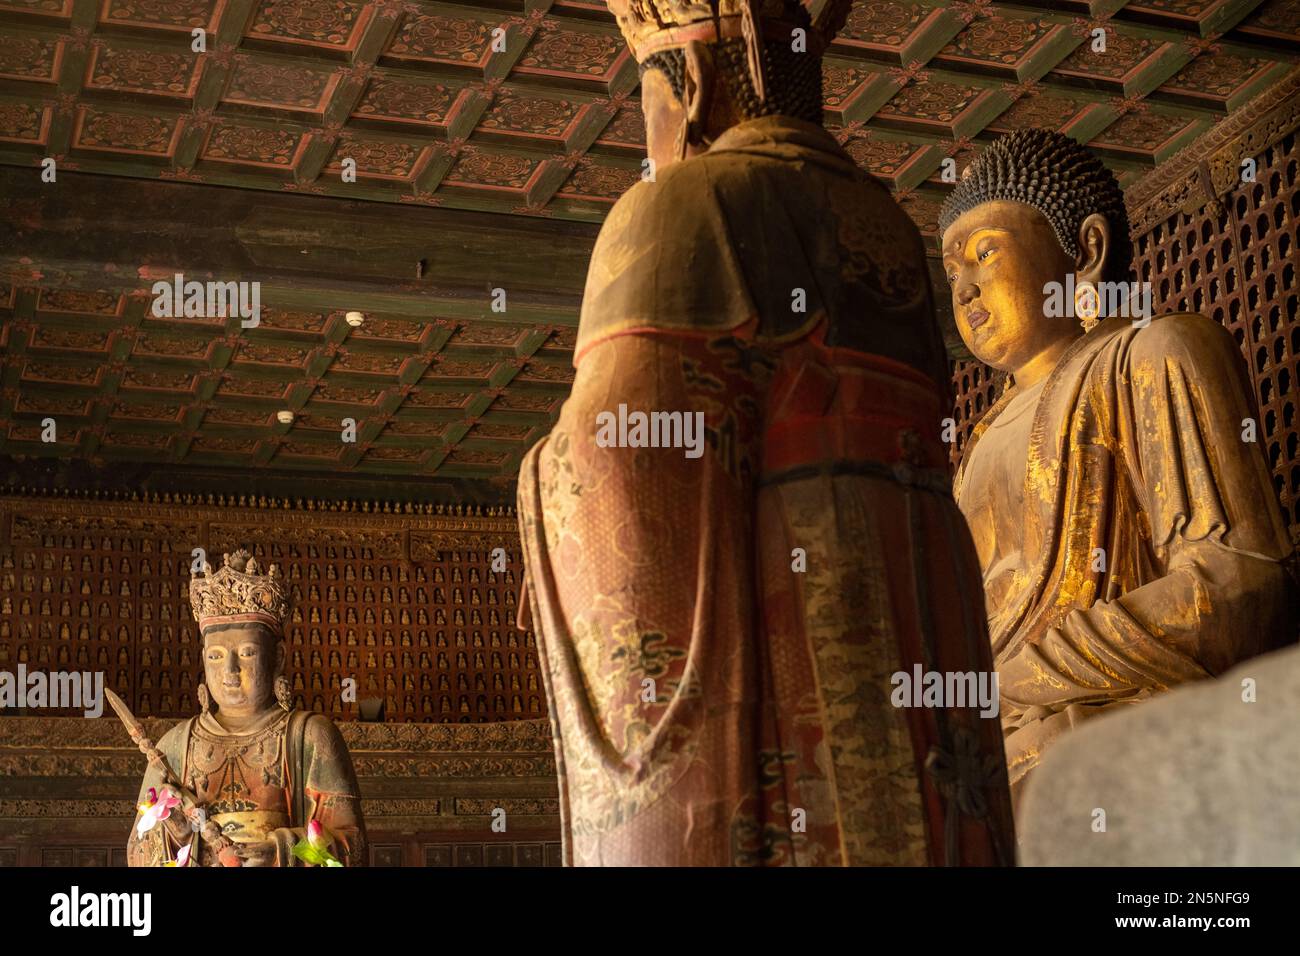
<point x="1196" y="777"/>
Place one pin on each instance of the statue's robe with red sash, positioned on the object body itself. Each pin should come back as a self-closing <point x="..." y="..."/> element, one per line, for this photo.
<point x="262" y="786"/>
<point x="719" y="633"/>
<point x="1147" y="548"/>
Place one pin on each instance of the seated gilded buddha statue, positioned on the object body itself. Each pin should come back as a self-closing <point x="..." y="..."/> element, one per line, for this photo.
<point x="1124" y="517"/>
<point x="253" y="782"/>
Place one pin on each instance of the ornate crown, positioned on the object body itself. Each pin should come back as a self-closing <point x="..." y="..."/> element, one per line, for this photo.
<point x="653" y="25"/>
<point x="239" y="593"/>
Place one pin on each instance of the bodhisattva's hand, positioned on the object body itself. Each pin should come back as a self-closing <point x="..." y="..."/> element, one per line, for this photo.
<point x="178" y="827"/>
<point x="255" y="854"/>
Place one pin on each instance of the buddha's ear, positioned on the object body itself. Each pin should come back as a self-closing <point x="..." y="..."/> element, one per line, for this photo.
<point x="279" y="657"/>
<point x="697" y="89"/>
<point x="1094" y="248"/>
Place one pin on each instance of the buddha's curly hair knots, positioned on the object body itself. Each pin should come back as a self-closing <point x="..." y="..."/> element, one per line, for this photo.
<point x="1058" y="177"/>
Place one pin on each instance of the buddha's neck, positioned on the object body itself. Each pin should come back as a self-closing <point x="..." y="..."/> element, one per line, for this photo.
<point x="1040" y="366"/>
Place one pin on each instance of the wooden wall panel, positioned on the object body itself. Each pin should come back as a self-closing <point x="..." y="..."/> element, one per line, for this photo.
<point x="407" y="604"/>
<point x="68" y="787"/>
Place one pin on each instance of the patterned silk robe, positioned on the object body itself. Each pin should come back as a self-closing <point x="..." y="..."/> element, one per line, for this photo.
<point x="719" y="633"/>
<point x="263" y="786"/>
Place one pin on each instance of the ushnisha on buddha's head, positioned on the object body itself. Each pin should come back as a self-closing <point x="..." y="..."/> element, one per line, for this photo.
<point x="1035" y="209"/>
<point x="707" y="65"/>
<point x="241" y="614"/>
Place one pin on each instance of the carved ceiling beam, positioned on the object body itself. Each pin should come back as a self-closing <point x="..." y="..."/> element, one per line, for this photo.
<point x="1211" y="166"/>
<point x="128" y="234"/>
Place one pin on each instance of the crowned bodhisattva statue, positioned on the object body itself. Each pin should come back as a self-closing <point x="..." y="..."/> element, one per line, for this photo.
<point x="250" y="781"/>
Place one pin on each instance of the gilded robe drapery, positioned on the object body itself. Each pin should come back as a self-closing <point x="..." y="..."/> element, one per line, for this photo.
<point x="1154" y="552"/>
<point x="262" y="786"/>
<point x="719" y="633"/>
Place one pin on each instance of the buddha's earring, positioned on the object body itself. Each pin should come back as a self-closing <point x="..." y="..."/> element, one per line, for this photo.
<point x="1087" y="305"/>
<point x="282" y="692"/>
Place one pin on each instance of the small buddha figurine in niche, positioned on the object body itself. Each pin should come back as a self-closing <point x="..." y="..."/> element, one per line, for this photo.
<point x="1128" y="533"/>
<point x="259" y="770"/>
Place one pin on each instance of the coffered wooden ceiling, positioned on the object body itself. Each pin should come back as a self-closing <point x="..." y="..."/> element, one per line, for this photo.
<point x="547" y="132"/>
<point x="551" y="126"/>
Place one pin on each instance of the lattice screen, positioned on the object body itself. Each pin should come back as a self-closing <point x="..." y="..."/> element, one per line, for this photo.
<point x="975" y="387"/>
<point x="1235" y="261"/>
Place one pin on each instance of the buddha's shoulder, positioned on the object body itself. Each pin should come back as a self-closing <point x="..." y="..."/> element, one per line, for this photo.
<point x="692" y="185"/>
<point x="694" y="179"/>
<point x="682" y="199"/>
<point x="1179" y="335"/>
<point x="712" y="194"/>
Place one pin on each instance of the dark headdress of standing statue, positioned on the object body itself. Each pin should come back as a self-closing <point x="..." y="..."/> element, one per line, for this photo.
<point x="727" y="593"/>
<point x="265" y="777"/>
<point x="1124" y="515"/>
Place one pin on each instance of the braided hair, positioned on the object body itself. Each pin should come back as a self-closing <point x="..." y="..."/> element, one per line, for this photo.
<point x="1058" y="177"/>
<point x="794" y="80"/>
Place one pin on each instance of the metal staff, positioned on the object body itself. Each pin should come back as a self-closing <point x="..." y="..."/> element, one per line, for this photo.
<point x="189" y="802"/>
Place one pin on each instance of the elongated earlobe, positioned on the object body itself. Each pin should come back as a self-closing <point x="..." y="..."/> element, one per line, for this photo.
<point x="1094" y="248"/>
<point x="697" y="92"/>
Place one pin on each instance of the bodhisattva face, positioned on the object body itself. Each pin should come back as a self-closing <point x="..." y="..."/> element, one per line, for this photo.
<point x="998" y="257"/>
<point x="240" y="665"/>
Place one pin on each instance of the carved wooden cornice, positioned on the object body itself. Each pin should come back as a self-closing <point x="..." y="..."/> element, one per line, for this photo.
<point x="1211" y="166"/>
<point x="317" y="507"/>
<point x="455" y="813"/>
<point x="510" y="736"/>
<point x="65" y="752"/>
<point x="411" y="531"/>
<point x="105" y="737"/>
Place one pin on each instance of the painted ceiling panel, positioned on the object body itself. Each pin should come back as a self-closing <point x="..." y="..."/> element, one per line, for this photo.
<point x="532" y="108"/>
<point x="527" y="108"/>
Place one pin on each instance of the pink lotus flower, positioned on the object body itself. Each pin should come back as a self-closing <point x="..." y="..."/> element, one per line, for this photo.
<point x="315" y="850"/>
<point x="158" y="806"/>
<point x="182" y="858"/>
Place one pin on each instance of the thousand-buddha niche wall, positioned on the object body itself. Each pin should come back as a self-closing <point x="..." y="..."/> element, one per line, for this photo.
<point x="406" y="605"/>
<point x="403" y="599"/>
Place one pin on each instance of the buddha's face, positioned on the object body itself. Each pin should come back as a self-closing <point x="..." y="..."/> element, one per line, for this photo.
<point x="240" y="664"/>
<point x="998" y="257"/>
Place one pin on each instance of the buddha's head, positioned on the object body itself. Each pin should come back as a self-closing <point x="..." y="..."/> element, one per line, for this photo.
<point x="707" y="65"/>
<point x="240" y="665"/>
<point x="1035" y="217"/>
